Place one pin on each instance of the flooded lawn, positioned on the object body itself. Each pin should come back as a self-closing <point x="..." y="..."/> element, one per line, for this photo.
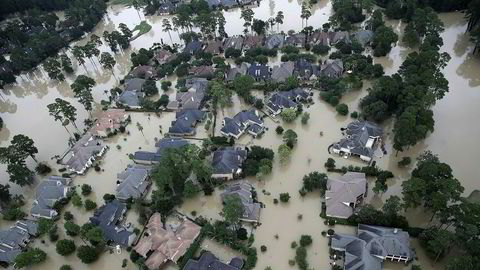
<point x="454" y="140"/>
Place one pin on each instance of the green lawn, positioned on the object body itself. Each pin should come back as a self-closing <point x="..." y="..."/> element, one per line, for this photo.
<point x="142" y="28"/>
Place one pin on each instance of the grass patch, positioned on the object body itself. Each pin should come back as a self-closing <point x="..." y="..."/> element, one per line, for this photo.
<point x="142" y="28"/>
<point x="121" y="2"/>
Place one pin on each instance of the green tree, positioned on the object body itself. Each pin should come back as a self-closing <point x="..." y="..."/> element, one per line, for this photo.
<point x="342" y="109"/>
<point x="53" y="68"/>
<point x="82" y="89"/>
<point x="64" y="112"/>
<point x="284" y="197"/>
<point x="290" y="137"/>
<point x="221" y="95"/>
<point x="279" y="18"/>
<point x="108" y="62"/>
<point x="305" y="240"/>
<point x="66" y="64"/>
<point x="19" y="173"/>
<point x="258" y="26"/>
<point x="382" y="40"/>
<point x="314" y="181"/>
<point x="150" y="88"/>
<point x="90" y="205"/>
<point x="305" y="13"/>
<point x="95" y="235"/>
<point x="86" y="189"/>
<point x="71" y="229"/>
<point x="191" y="189"/>
<point x="284" y="153"/>
<point x="247" y="16"/>
<point x="140" y="128"/>
<point x="232" y="210"/>
<point x="78" y="53"/>
<point x="24" y="146"/>
<point x="167" y="27"/>
<point x="288" y="115"/>
<point x="65" y="247"/>
<point x="30" y="257"/>
<point x="126" y="32"/>
<point x="87" y="254"/>
<point x="243" y="84"/>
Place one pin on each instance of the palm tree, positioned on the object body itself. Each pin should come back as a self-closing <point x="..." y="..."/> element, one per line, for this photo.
<point x="306" y="13"/>
<point x="247" y="15"/>
<point x="167" y="27"/>
<point x="279" y="19"/>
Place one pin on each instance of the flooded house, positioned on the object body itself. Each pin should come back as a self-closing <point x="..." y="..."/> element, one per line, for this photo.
<point x="209" y="261"/>
<point x="109" y="218"/>
<point x="337" y="37"/>
<point x="193" y="98"/>
<point x="360" y="140"/>
<point x="227" y="163"/>
<point x="371" y="246"/>
<point x="133" y="182"/>
<point x="287" y="100"/>
<point x="344" y="193"/>
<point x="234" y="42"/>
<point x="185" y="122"/>
<point x="214" y="47"/>
<point x="318" y="38"/>
<point x="132" y="94"/>
<point x="159" y="245"/>
<point x="296" y="40"/>
<point x="234" y="72"/>
<point x="145" y="157"/>
<point x="15" y="239"/>
<point x="259" y="72"/>
<point x="305" y="70"/>
<point x="109" y="121"/>
<point x="332" y="68"/>
<point x="244" y="191"/>
<point x="83" y="153"/>
<point x="244" y="121"/>
<point x="283" y="71"/>
<point x="142" y="72"/>
<point x="163" y="56"/>
<point x="48" y="192"/>
<point x="201" y="71"/>
<point x="253" y="41"/>
<point x="363" y="37"/>
<point x="275" y="41"/>
<point x="193" y="47"/>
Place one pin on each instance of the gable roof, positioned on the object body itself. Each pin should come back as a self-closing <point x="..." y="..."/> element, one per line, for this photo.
<point x="295" y="40"/>
<point x="193" y="97"/>
<point x="240" y="122"/>
<point x="161" y="245"/>
<point x="235" y="42"/>
<point x="259" y="71"/>
<point x="133" y="182"/>
<point x="193" y="47"/>
<point x="243" y="190"/>
<point x="358" y="136"/>
<point x="186" y="121"/>
<point x="214" y="47"/>
<point x="164" y="56"/>
<point x="210" y="262"/>
<point x="318" y="37"/>
<point x="108" y="217"/>
<point x="14" y="239"/>
<point x="253" y="41"/>
<point x="131" y="98"/>
<point x="363" y="36"/>
<point x="84" y="150"/>
<point x="201" y="71"/>
<point x="47" y="193"/>
<point x="237" y="71"/>
<point x="286" y="99"/>
<point x="162" y="146"/>
<point x="134" y="84"/>
<point x="343" y="191"/>
<point x="110" y="119"/>
<point x="281" y="72"/>
<point x="228" y="160"/>
<point x="332" y="68"/>
<point x="275" y="41"/>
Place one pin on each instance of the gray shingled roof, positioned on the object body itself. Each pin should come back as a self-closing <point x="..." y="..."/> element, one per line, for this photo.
<point x="109" y="218"/>
<point x="236" y="71"/>
<point x="14" y="239"/>
<point x="358" y="133"/>
<point x="362" y="252"/>
<point x="243" y="190"/>
<point x="185" y="122"/>
<point x="287" y="99"/>
<point x="240" y="122"/>
<point x="332" y="68"/>
<point x="131" y="98"/>
<point x="343" y="191"/>
<point x="235" y="42"/>
<point x="162" y="146"/>
<point x="133" y="182"/>
<point x="191" y="99"/>
<point x="134" y="84"/>
<point x="210" y="262"/>
<point x="259" y="71"/>
<point x="296" y="40"/>
<point x="275" y="41"/>
<point x="84" y="151"/>
<point x="363" y="36"/>
<point x="228" y="160"/>
<point x="47" y="193"/>
<point x="283" y="71"/>
<point x="193" y="47"/>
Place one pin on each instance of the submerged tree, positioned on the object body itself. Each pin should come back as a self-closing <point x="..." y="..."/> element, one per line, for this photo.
<point x="108" y="62"/>
<point x="82" y="88"/>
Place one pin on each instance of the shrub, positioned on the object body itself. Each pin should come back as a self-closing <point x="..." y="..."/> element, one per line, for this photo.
<point x="404" y="162"/>
<point x="30" y="257"/>
<point x="242" y="234"/>
<point x="65" y="247"/>
<point x="284" y="197"/>
<point x="291" y="262"/>
<point x="293" y="245"/>
<point x="43" y="169"/>
<point x="13" y="214"/>
<point x="305" y="240"/>
<point x="124" y="263"/>
<point x="330" y="232"/>
<point x="320" y="49"/>
<point x="87" y="254"/>
<point x="259" y="104"/>
<point x="279" y="130"/>
<point x="342" y="109"/>
<point x="108" y="197"/>
<point x="263" y="248"/>
<point x="288" y="115"/>
<point x="86" y="190"/>
<point x="305" y="118"/>
<point x="90" y="205"/>
<point x="71" y="229"/>
<point x="354" y="115"/>
<point x="275" y="201"/>
<point x="166" y="85"/>
<point x="65" y="267"/>
<point x="330" y="164"/>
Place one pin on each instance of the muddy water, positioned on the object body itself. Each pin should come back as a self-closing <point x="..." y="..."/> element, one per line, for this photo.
<point x="24" y="111"/>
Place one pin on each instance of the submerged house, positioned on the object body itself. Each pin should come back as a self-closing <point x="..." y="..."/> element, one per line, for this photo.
<point x="287" y="100"/>
<point x="142" y="72"/>
<point x="214" y="47"/>
<point x="244" y="191"/>
<point x="15" y="239"/>
<point x="275" y="41"/>
<point x="160" y="245"/>
<point x="191" y="99"/>
<point x="110" y="218"/>
<point x="185" y="122"/>
<point x="332" y="68"/>
<point x="236" y="71"/>
<point x="108" y="122"/>
<point x="163" y="56"/>
<point x="209" y="261"/>
<point x="304" y="69"/>
<point x="344" y="193"/>
<point x="201" y="71"/>
<point x="318" y="38"/>
<point x="234" y="42"/>
<point x="133" y="182"/>
<point x="85" y="151"/>
<point x="341" y="36"/>
<point x="253" y="41"/>
<point x="371" y="246"/>
<point x="259" y="72"/>
<point x="360" y="139"/>
<point x="227" y="163"/>
<point x="363" y="37"/>
<point x="244" y="121"/>
<point x="193" y="47"/>
<point x="132" y="95"/>
<point x="48" y="192"/>
<point x="144" y="157"/>
<point x="296" y="40"/>
<point x="281" y="72"/>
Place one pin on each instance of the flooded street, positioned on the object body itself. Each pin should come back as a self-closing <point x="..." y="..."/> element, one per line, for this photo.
<point x="455" y="139"/>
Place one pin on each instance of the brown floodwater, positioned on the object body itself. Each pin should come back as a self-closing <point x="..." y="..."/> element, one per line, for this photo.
<point x="24" y="111"/>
